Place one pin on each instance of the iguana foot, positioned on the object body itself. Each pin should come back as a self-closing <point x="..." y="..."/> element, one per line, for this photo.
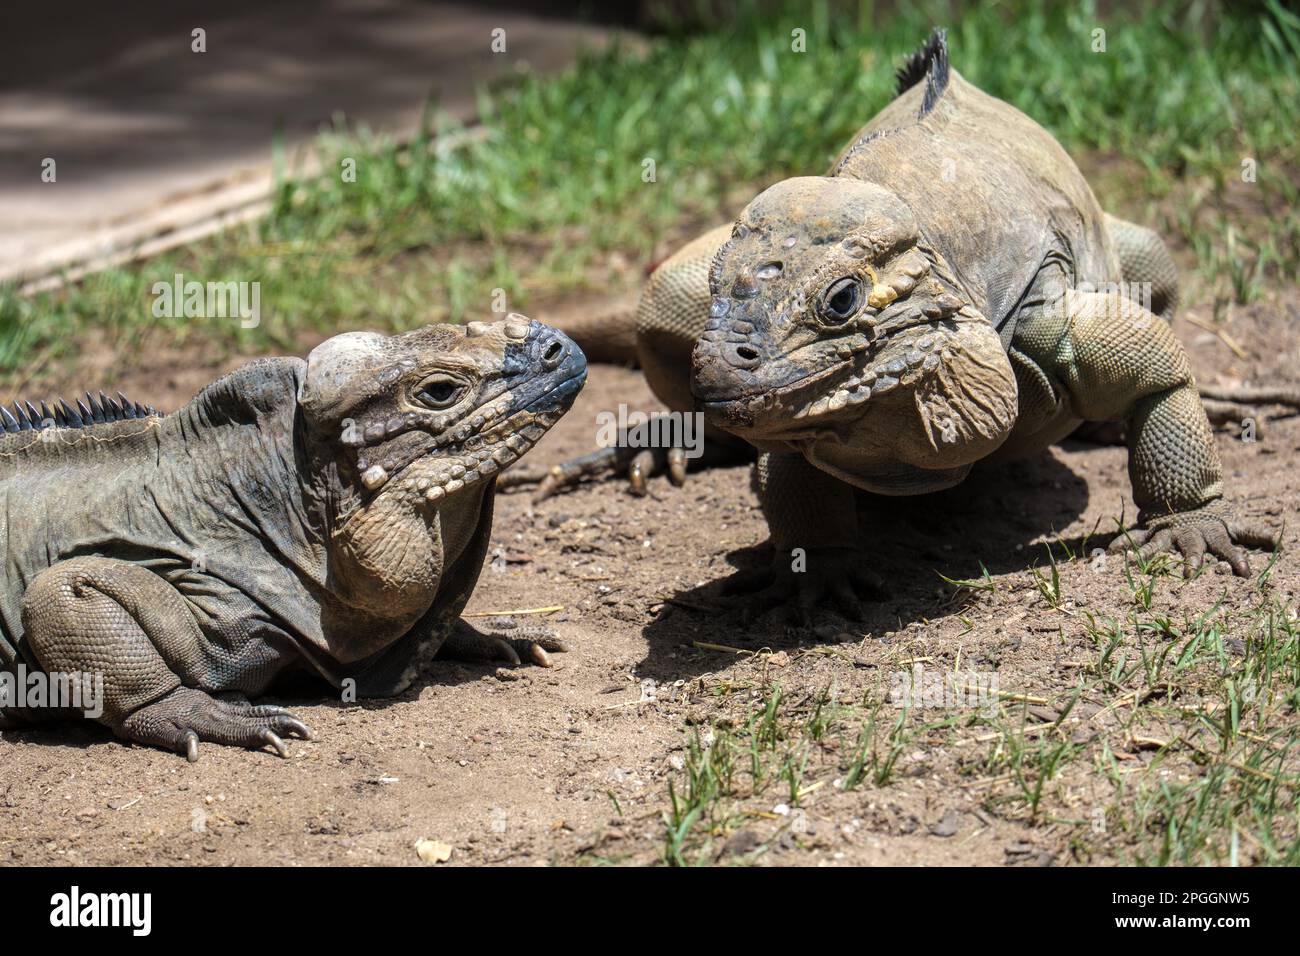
<point x="184" y="717"/>
<point x="1193" y="533"/>
<point x="506" y="641"/>
<point x="805" y="583"/>
<point x="639" y="464"/>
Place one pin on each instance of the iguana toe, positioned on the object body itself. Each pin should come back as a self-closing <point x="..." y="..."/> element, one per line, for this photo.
<point x="186" y="716"/>
<point x="833" y="576"/>
<point x="1213" y="529"/>
<point x="529" y="644"/>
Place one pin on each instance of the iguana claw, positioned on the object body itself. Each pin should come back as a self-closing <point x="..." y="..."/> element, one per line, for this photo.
<point x="467" y="643"/>
<point x="272" y="738"/>
<point x="834" y="573"/>
<point x="1193" y="533"/>
<point x="186" y="716"/>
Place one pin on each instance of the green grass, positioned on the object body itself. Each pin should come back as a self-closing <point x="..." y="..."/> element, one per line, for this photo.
<point x="1220" y="786"/>
<point x="732" y="776"/>
<point x="1168" y="735"/>
<point x="551" y="197"/>
<point x="1228" y="767"/>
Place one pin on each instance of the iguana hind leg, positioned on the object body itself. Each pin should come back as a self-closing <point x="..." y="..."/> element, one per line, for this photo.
<point x="637" y="464"/>
<point x="104" y="617"/>
<point x="1146" y="264"/>
<point x="1150" y="274"/>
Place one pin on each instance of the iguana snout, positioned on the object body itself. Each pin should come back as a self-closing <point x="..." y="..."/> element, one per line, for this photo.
<point x="436" y="410"/>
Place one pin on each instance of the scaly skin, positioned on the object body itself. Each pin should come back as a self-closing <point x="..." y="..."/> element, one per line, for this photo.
<point x="944" y="296"/>
<point x="328" y="516"/>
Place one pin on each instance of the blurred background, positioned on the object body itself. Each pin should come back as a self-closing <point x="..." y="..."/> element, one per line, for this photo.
<point x="385" y="163"/>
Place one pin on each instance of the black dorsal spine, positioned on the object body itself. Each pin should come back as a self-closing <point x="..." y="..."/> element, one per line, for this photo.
<point x="93" y="410"/>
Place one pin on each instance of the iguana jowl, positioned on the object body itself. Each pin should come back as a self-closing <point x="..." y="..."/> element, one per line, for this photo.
<point x="330" y="515"/>
<point x="949" y="292"/>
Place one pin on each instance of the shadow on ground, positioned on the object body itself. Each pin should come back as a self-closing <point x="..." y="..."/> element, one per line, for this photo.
<point x="985" y="523"/>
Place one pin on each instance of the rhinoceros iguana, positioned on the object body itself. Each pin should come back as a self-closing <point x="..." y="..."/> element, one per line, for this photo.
<point x="949" y="292"/>
<point x="328" y="516"/>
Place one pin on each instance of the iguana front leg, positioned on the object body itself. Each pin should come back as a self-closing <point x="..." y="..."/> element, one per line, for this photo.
<point x="99" y="616"/>
<point x="1117" y="360"/>
<point x="812" y="517"/>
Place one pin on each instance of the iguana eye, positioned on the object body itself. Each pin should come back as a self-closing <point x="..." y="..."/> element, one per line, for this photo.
<point x="440" y="393"/>
<point x="841" y="301"/>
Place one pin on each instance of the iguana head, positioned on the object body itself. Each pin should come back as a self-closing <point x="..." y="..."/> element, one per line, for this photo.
<point x="423" y="416"/>
<point x="835" y="330"/>
<point x="403" y="435"/>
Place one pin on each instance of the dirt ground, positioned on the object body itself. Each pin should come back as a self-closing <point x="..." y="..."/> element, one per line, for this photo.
<point x="573" y="764"/>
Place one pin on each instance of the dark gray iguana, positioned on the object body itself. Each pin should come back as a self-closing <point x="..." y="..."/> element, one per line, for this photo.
<point x="951" y="291"/>
<point x="328" y="516"/>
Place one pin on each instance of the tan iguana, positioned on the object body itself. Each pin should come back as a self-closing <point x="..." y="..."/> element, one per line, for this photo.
<point x="951" y="291"/>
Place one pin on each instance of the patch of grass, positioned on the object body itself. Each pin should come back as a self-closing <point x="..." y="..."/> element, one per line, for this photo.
<point x="1174" y="741"/>
<point x="1187" y="752"/>
<point x="984" y="583"/>
<point x="1213" y="701"/>
<point x="554" y="194"/>
<point x="874" y="759"/>
<point x="728" y="770"/>
<point x="1049" y="585"/>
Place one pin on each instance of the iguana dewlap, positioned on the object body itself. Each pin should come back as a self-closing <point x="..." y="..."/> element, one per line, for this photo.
<point x="950" y="291"/>
<point x="329" y="516"/>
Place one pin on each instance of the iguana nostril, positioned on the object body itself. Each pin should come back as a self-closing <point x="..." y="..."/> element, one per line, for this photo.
<point x="747" y="353"/>
<point x="551" y="356"/>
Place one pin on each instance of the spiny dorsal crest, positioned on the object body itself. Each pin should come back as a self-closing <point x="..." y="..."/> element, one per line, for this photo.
<point x="930" y="63"/>
<point x="93" y="411"/>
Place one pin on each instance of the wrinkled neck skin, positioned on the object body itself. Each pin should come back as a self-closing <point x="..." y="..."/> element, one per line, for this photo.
<point x="384" y="551"/>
